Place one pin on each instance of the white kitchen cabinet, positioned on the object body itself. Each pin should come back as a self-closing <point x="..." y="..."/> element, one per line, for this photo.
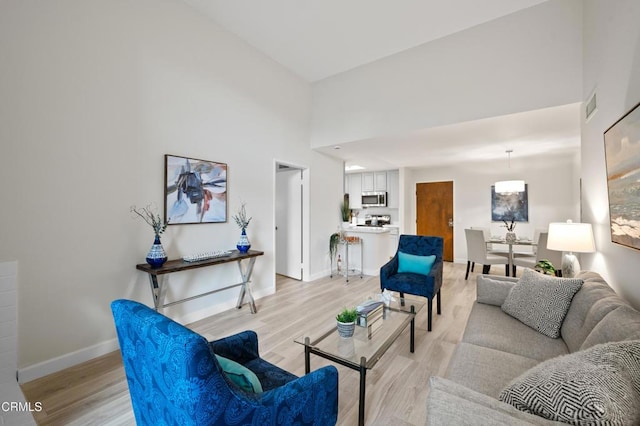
<point x="393" y="189"/>
<point x="380" y="181"/>
<point x="355" y="190"/>
<point x="374" y="181"/>
<point x="368" y="182"/>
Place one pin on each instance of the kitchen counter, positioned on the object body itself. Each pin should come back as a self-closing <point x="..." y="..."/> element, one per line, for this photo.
<point x="367" y="229"/>
<point x="375" y="246"/>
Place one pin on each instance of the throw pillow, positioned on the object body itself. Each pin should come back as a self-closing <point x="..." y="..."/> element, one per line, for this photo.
<point x="541" y="301"/>
<point x="240" y="375"/>
<point x="415" y="264"/>
<point x="600" y="385"/>
<point x="491" y="291"/>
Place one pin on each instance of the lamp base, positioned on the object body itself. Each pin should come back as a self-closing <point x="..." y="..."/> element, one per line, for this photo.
<point x="570" y="265"/>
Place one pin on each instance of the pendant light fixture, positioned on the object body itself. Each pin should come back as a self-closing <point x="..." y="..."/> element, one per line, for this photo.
<point x="509" y="186"/>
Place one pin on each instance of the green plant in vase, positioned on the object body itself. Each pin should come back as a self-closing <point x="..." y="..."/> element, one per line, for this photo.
<point x="156" y="256"/>
<point x="547" y="267"/>
<point x="243" y="221"/>
<point x="347" y="322"/>
<point x="345" y="211"/>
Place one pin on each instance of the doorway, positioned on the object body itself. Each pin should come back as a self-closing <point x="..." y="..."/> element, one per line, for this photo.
<point x="289" y="221"/>
<point x="434" y="213"/>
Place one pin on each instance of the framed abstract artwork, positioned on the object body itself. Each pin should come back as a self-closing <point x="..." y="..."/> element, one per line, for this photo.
<point x="622" y="158"/>
<point x="195" y="190"/>
<point x="510" y="206"/>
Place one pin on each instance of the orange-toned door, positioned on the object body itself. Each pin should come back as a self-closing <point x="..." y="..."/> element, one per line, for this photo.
<point x="434" y="213"/>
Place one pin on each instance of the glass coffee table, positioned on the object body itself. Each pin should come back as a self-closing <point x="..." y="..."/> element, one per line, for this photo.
<point x="359" y="352"/>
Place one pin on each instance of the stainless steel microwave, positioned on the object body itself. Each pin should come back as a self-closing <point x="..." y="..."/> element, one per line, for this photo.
<point x="374" y="199"/>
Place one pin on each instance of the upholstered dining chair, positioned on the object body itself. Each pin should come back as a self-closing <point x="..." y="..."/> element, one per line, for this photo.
<point x="176" y="377"/>
<point x="477" y="253"/>
<point x="416" y="269"/>
<point x="542" y="253"/>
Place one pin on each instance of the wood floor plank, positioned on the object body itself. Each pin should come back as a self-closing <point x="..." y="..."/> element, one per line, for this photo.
<point x="96" y="393"/>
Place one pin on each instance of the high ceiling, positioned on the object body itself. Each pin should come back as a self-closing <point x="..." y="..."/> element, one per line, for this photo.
<point x="318" y="39"/>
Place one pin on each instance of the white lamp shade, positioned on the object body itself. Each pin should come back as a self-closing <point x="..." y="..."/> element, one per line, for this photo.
<point x="571" y="237"/>
<point x="506" y="186"/>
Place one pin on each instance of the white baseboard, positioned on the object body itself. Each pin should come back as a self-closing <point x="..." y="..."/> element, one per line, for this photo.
<point x="54" y="365"/>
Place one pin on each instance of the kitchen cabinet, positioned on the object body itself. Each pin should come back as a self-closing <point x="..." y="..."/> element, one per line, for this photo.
<point x="374" y="181"/>
<point x="355" y="190"/>
<point x="393" y="189"/>
<point x="367" y="182"/>
<point x="380" y="181"/>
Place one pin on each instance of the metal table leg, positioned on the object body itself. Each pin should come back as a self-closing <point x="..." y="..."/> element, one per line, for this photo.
<point x="158" y="291"/>
<point x="363" y="381"/>
<point x="245" y="289"/>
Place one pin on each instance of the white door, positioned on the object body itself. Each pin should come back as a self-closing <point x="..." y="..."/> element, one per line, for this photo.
<point x="289" y="222"/>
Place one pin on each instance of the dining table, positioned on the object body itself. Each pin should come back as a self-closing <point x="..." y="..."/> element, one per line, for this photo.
<point x="511" y="243"/>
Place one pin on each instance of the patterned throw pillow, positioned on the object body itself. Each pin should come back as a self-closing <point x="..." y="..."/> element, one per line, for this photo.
<point x="541" y="301"/>
<point x="600" y="385"/>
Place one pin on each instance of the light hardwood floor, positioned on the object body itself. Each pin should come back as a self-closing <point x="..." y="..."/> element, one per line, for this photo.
<point x="96" y="393"/>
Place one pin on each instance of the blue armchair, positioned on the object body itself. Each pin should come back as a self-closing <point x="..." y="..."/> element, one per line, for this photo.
<point x="415" y="283"/>
<point x="175" y="378"/>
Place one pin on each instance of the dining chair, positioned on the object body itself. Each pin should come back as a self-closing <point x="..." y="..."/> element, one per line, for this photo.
<point x="477" y="253"/>
<point x="542" y="253"/>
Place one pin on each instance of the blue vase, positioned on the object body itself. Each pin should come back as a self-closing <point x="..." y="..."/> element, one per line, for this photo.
<point x="244" y="244"/>
<point x="156" y="256"/>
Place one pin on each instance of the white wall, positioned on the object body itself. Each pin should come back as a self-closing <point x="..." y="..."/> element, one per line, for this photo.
<point x="92" y="95"/>
<point x="553" y="194"/>
<point x="612" y="68"/>
<point x="521" y="62"/>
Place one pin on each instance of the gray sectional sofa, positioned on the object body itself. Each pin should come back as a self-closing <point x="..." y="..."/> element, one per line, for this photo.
<point x="500" y="356"/>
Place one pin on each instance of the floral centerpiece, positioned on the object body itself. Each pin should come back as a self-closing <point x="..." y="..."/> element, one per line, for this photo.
<point x="510" y="236"/>
<point x="243" y="221"/>
<point x="156" y="256"/>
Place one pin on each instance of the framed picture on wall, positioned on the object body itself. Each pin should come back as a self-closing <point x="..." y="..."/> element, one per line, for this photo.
<point x="510" y="206"/>
<point x="195" y="190"/>
<point x="622" y="158"/>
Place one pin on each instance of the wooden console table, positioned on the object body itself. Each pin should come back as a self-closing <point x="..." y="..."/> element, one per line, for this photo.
<point x="159" y="285"/>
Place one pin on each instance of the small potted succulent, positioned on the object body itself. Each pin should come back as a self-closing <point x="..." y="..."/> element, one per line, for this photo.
<point x="347" y="322"/>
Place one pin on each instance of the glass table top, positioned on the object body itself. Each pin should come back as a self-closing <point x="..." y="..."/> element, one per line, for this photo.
<point x="323" y="336"/>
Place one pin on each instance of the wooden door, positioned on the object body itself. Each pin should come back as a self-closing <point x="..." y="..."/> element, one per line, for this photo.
<point x="434" y="213"/>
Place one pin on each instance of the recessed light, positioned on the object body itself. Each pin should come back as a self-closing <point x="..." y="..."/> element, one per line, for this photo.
<point x="354" y="167"/>
<point x="336" y="147"/>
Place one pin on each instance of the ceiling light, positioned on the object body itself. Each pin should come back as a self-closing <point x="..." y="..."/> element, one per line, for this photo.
<point x="509" y="186"/>
<point x="353" y="167"/>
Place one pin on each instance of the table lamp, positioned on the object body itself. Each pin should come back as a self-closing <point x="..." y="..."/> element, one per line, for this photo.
<point x="570" y="237"/>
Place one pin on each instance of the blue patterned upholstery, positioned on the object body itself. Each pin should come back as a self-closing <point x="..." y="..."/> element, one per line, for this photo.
<point x="175" y="379"/>
<point x="416" y="284"/>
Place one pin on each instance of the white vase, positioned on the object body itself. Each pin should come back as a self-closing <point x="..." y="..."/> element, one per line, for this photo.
<point x="510" y="237"/>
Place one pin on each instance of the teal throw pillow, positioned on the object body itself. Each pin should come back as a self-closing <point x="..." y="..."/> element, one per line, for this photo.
<point x="240" y="375"/>
<point x="415" y="264"/>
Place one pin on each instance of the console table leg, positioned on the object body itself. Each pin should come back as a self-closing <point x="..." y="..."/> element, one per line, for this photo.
<point x="245" y="289"/>
<point x="158" y="292"/>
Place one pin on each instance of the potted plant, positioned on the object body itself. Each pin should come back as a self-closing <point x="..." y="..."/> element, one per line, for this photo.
<point x="347" y="322"/>
<point x="345" y="211"/>
<point x="546" y="267"/>
<point x="510" y="236"/>
<point x="156" y="256"/>
<point x="242" y="221"/>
